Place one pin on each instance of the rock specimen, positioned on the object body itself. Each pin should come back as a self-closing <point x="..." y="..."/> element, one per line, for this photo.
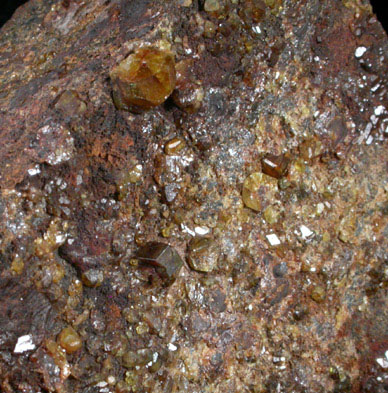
<point x="193" y="197"/>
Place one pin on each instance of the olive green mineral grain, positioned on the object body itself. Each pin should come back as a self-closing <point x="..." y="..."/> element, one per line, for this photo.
<point x="211" y="5"/>
<point x="259" y="191"/>
<point x="318" y="294"/>
<point x="203" y="254"/>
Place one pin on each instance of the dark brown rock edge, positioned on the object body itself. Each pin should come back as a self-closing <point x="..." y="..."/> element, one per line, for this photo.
<point x="84" y="186"/>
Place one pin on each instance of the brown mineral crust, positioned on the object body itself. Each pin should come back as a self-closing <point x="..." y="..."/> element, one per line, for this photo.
<point x="288" y="291"/>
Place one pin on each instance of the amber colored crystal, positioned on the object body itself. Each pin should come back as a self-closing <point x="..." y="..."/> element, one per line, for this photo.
<point x="274" y="166"/>
<point x="259" y="191"/>
<point x="144" y="79"/>
<point x="69" y="340"/>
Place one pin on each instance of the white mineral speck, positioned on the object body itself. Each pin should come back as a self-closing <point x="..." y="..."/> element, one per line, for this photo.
<point x="60" y="239"/>
<point x="201" y="230"/>
<point x="186" y="229"/>
<point x="232" y="152"/>
<point x="66" y="210"/>
<point x="383" y="362"/>
<point x="63" y="200"/>
<point x="24" y="344"/>
<point x="34" y="171"/>
<point x="360" y="51"/>
<point x="171" y="347"/>
<point x="283" y="367"/>
<point x="306" y="232"/>
<point x="273" y="239"/>
<point x="379" y="110"/>
<point x="374" y="119"/>
<point x="45" y="130"/>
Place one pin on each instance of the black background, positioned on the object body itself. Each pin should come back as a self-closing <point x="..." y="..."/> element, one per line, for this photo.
<point x="8" y="7"/>
<point x="380" y="8"/>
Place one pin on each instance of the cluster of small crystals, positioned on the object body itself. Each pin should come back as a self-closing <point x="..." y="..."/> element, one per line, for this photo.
<point x="220" y="245"/>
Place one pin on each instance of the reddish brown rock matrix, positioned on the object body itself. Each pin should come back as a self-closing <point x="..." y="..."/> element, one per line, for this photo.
<point x="287" y="296"/>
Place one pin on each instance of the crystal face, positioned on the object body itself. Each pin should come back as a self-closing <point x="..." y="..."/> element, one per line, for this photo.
<point x="164" y="257"/>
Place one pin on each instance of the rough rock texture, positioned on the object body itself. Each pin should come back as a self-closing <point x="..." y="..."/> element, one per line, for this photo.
<point x="291" y="297"/>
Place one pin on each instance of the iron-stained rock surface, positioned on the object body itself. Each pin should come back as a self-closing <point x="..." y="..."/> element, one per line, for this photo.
<point x="272" y="148"/>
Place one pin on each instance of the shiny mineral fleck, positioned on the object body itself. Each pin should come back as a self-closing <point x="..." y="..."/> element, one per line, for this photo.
<point x="174" y="146"/>
<point x="24" y="344"/>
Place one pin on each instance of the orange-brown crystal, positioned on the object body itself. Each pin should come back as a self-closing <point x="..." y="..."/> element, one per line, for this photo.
<point x="144" y="79"/>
